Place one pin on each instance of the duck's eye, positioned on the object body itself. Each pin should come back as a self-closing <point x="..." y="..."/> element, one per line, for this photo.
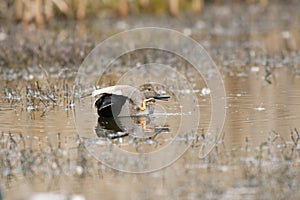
<point x="149" y="89"/>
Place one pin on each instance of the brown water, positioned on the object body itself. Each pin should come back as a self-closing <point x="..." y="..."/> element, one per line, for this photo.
<point x="256" y="157"/>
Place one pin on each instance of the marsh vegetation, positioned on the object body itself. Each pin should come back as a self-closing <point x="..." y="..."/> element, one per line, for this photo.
<point x="257" y="51"/>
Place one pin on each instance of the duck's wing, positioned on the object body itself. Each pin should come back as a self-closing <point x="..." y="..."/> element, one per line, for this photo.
<point x="127" y="91"/>
<point x="107" y="90"/>
<point x="105" y="105"/>
<point x="103" y="101"/>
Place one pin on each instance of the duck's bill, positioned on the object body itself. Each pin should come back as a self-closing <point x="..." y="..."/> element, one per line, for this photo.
<point x="161" y="97"/>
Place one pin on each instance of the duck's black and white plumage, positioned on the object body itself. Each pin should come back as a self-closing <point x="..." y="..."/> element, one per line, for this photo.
<point x="111" y="100"/>
<point x="105" y="102"/>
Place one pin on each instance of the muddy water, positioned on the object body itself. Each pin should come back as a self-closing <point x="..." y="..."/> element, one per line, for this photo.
<point x="256" y="157"/>
<point x="255" y="109"/>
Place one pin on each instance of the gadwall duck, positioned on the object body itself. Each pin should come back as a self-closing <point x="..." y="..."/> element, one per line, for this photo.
<point x="110" y="100"/>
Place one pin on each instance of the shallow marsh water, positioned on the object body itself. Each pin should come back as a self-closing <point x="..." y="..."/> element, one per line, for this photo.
<point x="257" y="52"/>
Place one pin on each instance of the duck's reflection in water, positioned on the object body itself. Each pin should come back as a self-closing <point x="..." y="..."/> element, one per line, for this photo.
<point x="138" y="127"/>
<point x="109" y="127"/>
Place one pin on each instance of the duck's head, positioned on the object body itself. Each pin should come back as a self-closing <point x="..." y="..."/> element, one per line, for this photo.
<point x="154" y="91"/>
<point x="151" y="93"/>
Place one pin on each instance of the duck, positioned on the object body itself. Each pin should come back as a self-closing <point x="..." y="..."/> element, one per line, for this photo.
<point x="111" y="100"/>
